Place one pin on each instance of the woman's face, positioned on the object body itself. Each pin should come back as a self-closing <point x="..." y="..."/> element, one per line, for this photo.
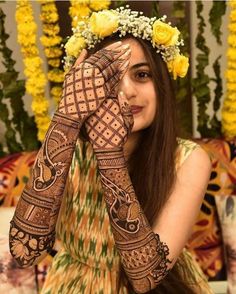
<point x="138" y="87"/>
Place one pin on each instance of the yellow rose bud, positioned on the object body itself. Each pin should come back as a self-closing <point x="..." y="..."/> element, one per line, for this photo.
<point x="103" y="23"/>
<point x="164" y="34"/>
<point x="75" y="45"/>
<point x="178" y="66"/>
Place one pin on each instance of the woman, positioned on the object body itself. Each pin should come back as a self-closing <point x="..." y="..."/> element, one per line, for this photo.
<point x="122" y="229"/>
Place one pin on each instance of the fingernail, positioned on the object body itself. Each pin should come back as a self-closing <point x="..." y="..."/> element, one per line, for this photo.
<point x="121" y="93"/>
<point x="127" y="52"/>
<point x="126" y="46"/>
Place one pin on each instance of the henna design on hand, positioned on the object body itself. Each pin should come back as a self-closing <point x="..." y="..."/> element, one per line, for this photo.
<point x="144" y="257"/>
<point x="110" y="125"/>
<point x="87" y="85"/>
<point x="32" y="231"/>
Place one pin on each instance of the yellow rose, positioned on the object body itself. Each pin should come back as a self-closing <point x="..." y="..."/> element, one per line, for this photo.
<point x="103" y="23"/>
<point x="75" y="45"/>
<point x="164" y="34"/>
<point x="178" y="66"/>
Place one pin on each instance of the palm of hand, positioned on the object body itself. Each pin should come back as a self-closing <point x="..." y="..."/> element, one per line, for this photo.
<point x="110" y="126"/>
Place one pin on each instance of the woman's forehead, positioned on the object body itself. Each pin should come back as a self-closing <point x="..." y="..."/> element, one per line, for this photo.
<point x="137" y="52"/>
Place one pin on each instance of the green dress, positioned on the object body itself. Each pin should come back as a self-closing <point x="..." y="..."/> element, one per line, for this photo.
<point x="88" y="261"/>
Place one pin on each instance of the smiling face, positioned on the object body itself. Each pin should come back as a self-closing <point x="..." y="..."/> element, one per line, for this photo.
<point x="138" y="87"/>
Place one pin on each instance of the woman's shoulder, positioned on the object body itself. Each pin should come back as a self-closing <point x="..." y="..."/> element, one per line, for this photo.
<point x="185" y="149"/>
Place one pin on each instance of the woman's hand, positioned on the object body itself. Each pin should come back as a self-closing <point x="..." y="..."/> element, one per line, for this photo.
<point x="87" y="84"/>
<point x="109" y="127"/>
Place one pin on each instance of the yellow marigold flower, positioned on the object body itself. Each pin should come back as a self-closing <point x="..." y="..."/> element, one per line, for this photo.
<point x="231" y="64"/>
<point x="232" y="3"/>
<point x="231" y="86"/>
<point x="79" y="11"/>
<point x="50" y="41"/>
<point x="29" y="51"/>
<point x="233" y="15"/>
<point x="34" y="62"/>
<point x="56" y="76"/>
<point x="164" y="34"/>
<point x="56" y="91"/>
<point x="51" y="29"/>
<point x="229" y="117"/>
<point x="232" y="27"/>
<point x="100" y="4"/>
<point x="231" y="53"/>
<point x="26" y="28"/>
<point x="75" y="45"/>
<point x="179" y="66"/>
<point x="54" y="62"/>
<point x="232" y="40"/>
<point x="231" y="75"/>
<point x="83" y="2"/>
<point x="26" y="40"/>
<point x="99" y="19"/>
<point x="40" y="108"/>
<point x="230" y="102"/>
<point x="53" y="52"/>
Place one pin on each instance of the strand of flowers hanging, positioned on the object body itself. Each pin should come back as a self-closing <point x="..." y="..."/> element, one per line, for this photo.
<point x="79" y="9"/>
<point x="52" y="46"/>
<point x="229" y="105"/>
<point x="36" y="80"/>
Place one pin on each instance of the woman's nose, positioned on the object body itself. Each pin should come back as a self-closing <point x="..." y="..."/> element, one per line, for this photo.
<point x="128" y="86"/>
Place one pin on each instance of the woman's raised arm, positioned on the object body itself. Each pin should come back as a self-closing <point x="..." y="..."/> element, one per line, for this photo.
<point x="147" y="254"/>
<point x="32" y="231"/>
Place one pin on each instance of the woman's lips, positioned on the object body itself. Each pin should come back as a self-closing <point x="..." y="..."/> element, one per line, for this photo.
<point x="136" y="109"/>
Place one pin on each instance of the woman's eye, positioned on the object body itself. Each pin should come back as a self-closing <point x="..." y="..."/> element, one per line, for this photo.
<point x="143" y="75"/>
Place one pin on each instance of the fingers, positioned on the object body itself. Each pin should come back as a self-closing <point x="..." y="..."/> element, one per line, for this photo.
<point x="126" y="112"/>
<point x="81" y="58"/>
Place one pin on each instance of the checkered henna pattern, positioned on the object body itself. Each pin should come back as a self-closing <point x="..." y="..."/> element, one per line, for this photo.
<point x="108" y="128"/>
<point x="143" y="256"/>
<point x="32" y="231"/>
<point x="88" y="84"/>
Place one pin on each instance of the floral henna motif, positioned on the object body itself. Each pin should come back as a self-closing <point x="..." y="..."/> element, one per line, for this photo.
<point x="143" y="256"/>
<point x="27" y="248"/>
<point x="33" y="225"/>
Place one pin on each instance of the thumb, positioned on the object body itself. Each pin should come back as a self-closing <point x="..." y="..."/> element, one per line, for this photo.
<point x="81" y="58"/>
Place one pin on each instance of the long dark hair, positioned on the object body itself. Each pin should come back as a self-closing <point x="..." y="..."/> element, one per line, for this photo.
<point x="152" y="163"/>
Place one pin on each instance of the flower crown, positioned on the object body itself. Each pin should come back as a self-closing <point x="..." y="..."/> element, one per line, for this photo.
<point x="104" y="23"/>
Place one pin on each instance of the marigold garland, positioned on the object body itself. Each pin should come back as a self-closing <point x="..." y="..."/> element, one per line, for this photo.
<point x="36" y="80"/>
<point x="52" y="46"/>
<point x="82" y="8"/>
<point x="229" y="105"/>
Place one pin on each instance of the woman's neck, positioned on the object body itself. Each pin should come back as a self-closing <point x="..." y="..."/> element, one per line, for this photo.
<point x="131" y="144"/>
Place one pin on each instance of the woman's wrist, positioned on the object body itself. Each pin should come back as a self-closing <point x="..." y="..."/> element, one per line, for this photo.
<point x="110" y="158"/>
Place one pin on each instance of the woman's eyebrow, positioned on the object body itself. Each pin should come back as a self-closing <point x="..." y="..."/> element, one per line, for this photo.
<point x="137" y="65"/>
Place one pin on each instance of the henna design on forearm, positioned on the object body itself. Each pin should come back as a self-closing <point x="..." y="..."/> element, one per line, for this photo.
<point x="143" y="255"/>
<point x="32" y="229"/>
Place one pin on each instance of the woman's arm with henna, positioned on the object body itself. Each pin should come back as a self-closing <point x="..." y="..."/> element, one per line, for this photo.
<point x="32" y="231"/>
<point x="143" y="256"/>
